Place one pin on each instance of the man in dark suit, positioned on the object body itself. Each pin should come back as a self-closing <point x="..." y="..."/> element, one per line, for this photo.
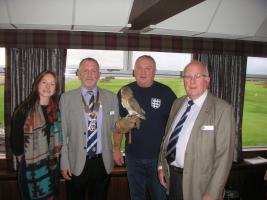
<point x="198" y="147"/>
<point x="88" y="117"/>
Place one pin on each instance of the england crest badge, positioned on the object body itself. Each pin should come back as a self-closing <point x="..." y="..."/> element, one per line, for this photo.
<point x="155" y="103"/>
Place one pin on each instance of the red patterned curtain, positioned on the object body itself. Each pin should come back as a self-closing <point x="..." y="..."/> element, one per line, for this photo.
<point x="228" y="79"/>
<point x="22" y="67"/>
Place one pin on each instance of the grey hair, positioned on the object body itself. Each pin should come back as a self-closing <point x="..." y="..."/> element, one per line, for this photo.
<point x="195" y="62"/>
<point x="147" y="57"/>
<point x="87" y="59"/>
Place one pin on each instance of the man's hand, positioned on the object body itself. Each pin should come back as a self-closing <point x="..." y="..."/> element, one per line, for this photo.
<point x="118" y="157"/>
<point x="66" y="174"/>
<point x="207" y="197"/>
<point x="162" y="180"/>
<point x="19" y="158"/>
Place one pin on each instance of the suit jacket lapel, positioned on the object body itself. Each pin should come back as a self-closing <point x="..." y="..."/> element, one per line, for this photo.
<point x="203" y="115"/>
<point x="175" y="111"/>
<point x="102" y="104"/>
<point x="79" y="105"/>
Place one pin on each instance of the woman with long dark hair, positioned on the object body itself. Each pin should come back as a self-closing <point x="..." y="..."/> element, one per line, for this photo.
<point x="36" y="139"/>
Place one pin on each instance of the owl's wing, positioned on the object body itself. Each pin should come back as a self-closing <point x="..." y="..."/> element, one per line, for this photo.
<point x="136" y="107"/>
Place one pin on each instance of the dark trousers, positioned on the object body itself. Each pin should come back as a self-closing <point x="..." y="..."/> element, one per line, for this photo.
<point x="93" y="179"/>
<point x="176" y="183"/>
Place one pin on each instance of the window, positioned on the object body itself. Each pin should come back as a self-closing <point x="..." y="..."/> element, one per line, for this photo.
<point x="173" y="62"/>
<point x="120" y="63"/>
<point x="116" y="70"/>
<point x="255" y="108"/>
<point x="116" y="67"/>
<point x="109" y="60"/>
<point x="2" y="84"/>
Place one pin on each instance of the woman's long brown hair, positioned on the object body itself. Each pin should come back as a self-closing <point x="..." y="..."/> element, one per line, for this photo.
<point x="30" y="101"/>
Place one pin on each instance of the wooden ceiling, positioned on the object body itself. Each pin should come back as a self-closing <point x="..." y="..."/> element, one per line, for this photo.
<point x="146" y="13"/>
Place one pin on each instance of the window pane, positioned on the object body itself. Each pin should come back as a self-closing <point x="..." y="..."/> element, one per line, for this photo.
<point x="108" y="59"/>
<point x="166" y="61"/>
<point x="2" y="85"/>
<point x="255" y="107"/>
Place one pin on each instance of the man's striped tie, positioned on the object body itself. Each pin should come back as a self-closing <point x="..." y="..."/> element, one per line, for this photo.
<point x="92" y="130"/>
<point x="171" y="148"/>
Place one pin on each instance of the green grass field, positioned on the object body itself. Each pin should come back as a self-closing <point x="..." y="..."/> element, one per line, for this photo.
<point x="115" y="84"/>
<point x="255" y="114"/>
<point x="255" y="107"/>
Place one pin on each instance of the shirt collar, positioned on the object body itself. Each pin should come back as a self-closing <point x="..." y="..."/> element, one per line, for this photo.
<point x="84" y="91"/>
<point x="200" y="100"/>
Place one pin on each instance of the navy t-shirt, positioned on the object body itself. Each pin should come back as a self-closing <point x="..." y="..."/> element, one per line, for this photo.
<point x="156" y="101"/>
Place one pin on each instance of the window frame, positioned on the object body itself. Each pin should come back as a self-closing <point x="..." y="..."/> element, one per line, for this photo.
<point x="246" y="151"/>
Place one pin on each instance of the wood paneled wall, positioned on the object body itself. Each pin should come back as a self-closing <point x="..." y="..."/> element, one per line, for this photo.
<point x="118" y="189"/>
<point x="246" y="179"/>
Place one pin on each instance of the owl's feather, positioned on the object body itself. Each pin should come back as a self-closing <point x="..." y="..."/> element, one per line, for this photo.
<point x="130" y="103"/>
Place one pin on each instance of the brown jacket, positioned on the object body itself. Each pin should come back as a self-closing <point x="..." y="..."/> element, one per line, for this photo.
<point x="209" y="153"/>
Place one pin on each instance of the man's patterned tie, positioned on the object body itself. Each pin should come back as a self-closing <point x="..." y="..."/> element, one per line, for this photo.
<point x="171" y="148"/>
<point x="92" y="129"/>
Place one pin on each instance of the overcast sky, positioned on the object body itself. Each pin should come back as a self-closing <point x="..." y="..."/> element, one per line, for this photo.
<point x="114" y="59"/>
<point x="2" y="56"/>
<point x="165" y="61"/>
<point x="257" y="65"/>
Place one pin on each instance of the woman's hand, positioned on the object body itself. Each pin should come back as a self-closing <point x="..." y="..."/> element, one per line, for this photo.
<point x="19" y="158"/>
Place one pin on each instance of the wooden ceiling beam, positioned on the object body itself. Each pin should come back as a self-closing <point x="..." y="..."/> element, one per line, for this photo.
<point x="151" y="12"/>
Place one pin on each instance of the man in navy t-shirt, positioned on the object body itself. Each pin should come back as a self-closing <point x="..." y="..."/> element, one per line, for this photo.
<point x="142" y="153"/>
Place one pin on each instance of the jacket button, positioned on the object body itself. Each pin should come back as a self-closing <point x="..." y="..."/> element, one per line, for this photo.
<point x="84" y="133"/>
<point x="84" y="147"/>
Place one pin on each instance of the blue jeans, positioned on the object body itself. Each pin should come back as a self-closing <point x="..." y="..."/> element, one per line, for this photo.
<point x="143" y="176"/>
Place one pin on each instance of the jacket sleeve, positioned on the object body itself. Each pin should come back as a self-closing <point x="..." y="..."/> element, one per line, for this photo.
<point x="116" y="113"/>
<point x="224" y="154"/>
<point x="17" y="133"/>
<point x="64" y="161"/>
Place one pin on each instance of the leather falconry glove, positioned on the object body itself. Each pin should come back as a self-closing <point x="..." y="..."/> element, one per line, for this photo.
<point x="125" y="124"/>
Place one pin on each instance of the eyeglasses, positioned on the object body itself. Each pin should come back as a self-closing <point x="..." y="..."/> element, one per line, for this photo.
<point x="195" y="77"/>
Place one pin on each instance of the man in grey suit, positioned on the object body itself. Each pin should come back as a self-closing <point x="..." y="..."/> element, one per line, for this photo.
<point x="198" y="147"/>
<point x="88" y="117"/>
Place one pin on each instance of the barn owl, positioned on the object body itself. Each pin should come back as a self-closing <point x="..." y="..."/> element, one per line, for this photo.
<point x="130" y="104"/>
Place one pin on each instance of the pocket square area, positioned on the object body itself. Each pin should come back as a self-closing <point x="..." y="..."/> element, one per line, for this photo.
<point x="207" y="128"/>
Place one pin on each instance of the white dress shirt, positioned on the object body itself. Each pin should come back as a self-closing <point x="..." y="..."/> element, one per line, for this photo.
<point x="187" y="127"/>
<point x="99" y="114"/>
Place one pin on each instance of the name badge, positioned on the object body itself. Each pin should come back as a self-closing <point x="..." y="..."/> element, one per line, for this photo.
<point x="207" y="128"/>
<point x="112" y="112"/>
